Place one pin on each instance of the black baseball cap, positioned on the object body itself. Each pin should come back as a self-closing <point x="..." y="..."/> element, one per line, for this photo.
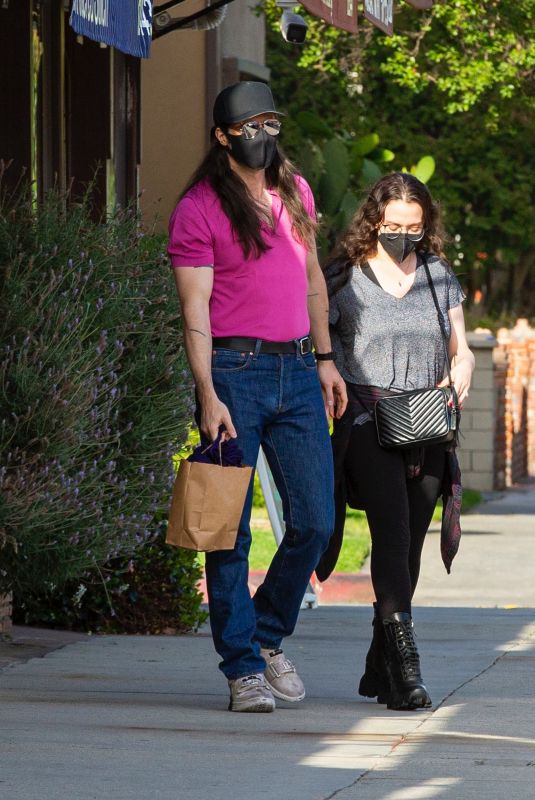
<point x="242" y="101"/>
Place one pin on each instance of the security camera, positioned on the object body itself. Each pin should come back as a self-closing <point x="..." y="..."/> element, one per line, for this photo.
<point x="293" y="27"/>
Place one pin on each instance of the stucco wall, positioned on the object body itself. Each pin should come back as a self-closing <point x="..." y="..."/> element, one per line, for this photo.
<point x="242" y="32"/>
<point x="180" y="79"/>
<point x="173" y="121"/>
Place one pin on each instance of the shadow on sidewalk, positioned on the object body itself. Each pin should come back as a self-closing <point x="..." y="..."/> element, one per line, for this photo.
<point x="137" y="717"/>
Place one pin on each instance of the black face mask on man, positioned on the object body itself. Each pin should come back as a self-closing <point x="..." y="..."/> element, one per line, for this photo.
<point x="257" y="153"/>
<point x="399" y="245"/>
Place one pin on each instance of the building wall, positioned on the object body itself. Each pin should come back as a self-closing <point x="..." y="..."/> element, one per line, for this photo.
<point x="179" y="83"/>
<point x="173" y="120"/>
<point x="15" y="89"/>
<point x="242" y="33"/>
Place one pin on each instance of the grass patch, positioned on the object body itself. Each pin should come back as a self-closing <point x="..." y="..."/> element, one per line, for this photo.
<point x="355" y="548"/>
<point x="356" y="544"/>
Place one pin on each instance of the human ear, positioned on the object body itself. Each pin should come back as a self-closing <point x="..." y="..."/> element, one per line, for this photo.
<point x="221" y="137"/>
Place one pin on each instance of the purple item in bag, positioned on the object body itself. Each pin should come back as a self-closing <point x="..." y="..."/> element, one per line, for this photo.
<point x="225" y="454"/>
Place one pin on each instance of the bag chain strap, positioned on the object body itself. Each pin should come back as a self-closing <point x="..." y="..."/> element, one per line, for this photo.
<point x="440" y="322"/>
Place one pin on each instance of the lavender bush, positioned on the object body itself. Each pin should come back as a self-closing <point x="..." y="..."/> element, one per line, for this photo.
<point x="94" y="398"/>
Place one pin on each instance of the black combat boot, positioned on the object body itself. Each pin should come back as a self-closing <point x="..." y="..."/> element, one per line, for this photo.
<point x="407" y="690"/>
<point x="374" y="682"/>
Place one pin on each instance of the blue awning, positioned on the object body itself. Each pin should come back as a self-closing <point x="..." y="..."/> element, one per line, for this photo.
<point x="126" y="25"/>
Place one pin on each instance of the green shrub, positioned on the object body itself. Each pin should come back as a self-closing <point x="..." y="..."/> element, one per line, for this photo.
<point x="95" y="396"/>
<point x="154" y="591"/>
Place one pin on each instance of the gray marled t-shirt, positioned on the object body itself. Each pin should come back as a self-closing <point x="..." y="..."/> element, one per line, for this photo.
<point x="394" y="343"/>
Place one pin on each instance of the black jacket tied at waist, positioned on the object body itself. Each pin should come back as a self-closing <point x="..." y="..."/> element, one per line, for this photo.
<point x="360" y="411"/>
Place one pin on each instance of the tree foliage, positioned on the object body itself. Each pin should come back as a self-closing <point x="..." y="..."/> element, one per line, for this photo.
<point x="454" y="82"/>
<point x="470" y="51"/>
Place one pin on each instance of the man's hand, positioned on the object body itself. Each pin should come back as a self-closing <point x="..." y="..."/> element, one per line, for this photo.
<point x="333" y="388"/>
<point x="214" y="413"/>
<point x="332" y="383"/>
<point x="194" y="285"/>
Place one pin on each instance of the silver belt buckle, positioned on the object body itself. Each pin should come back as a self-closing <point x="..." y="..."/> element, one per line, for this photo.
<point x="305" y="345"/>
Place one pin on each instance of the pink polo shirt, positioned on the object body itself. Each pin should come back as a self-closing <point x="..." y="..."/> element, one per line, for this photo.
<point x="264" y="297"/>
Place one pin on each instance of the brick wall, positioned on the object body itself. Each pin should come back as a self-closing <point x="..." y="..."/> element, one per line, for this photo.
<point x="498" y="423"/>
<point x="530" y="414"/>
<point x="5" y="614"/>
<point x="514" y="359"/>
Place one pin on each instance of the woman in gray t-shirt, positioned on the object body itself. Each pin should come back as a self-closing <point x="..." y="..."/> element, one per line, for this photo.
<point x="387" y="339"/>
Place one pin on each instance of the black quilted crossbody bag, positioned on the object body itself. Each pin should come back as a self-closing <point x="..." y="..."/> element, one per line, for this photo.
<point x="420" y="417"/>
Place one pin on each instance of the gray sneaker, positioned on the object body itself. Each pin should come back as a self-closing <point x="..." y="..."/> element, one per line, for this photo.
<point x="281" y="676"/>
<point x="251" y="693"/>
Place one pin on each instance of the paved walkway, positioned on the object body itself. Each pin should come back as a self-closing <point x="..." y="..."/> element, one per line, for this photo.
<point x="136" y="718"/>
<point x="495" y="565"/>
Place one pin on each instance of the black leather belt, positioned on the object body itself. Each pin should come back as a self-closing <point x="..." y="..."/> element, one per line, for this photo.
<point x="246" y="344"/>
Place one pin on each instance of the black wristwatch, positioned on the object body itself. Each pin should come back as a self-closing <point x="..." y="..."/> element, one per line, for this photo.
<point x="326" y="356"/>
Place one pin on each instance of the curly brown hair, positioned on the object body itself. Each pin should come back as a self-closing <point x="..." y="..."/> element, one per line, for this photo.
<point x="359" y="242"/>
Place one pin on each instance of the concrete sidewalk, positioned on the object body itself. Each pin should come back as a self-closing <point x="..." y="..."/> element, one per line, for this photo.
<point x="495" y="565"/>
<point x="130" y="718"/>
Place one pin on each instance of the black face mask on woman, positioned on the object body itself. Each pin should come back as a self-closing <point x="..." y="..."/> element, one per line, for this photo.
<point x="257" y="153"/>
<point x="398" y="245"/>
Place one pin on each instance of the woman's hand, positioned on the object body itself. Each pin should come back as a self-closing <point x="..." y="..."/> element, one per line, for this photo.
<point x="461" y="377"/>
<point x="462" y="358"/>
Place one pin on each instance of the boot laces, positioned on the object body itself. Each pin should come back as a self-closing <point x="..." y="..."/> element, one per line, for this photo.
<point x="406" y="646"/>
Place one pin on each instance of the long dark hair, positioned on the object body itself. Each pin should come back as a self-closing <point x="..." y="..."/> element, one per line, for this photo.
<point x="359" y="242"/>
<point x="239" y="205"/>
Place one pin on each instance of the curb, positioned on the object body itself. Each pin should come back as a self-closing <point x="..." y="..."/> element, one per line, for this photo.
<point x="342" y="588"/>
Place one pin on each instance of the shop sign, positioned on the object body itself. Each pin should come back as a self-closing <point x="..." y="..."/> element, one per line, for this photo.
<point x="126" y="26"/>
<point x="381" y="13"/>
<point x="339" y="13"/>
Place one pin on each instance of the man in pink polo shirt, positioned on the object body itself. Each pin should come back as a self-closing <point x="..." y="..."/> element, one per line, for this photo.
<point x="254" y="304"/>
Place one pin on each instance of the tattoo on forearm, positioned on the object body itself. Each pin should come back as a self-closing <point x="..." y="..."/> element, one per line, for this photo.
<point x="194" y="330"/>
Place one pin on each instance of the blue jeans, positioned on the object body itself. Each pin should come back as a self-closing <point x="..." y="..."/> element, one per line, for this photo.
<point x="275" y="401"/>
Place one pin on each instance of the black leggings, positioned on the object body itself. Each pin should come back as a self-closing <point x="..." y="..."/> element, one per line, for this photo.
<point x="399" y="511"/>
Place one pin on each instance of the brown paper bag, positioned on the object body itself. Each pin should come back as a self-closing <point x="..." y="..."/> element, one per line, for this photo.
<point x="207" y="506"/>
